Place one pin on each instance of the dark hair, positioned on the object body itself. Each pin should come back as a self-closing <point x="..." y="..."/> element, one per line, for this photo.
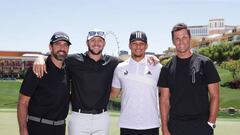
<point x="179" y="27"/>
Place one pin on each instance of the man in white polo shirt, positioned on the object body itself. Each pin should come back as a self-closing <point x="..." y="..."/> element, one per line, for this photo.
<point x="137" y="80"/>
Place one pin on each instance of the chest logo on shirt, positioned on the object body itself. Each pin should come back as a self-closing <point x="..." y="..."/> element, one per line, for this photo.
<point x="125" y="72"/>
<point x="149" y="73"/>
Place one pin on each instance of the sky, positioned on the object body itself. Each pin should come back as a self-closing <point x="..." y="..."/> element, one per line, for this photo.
<point x="27" y="25"/>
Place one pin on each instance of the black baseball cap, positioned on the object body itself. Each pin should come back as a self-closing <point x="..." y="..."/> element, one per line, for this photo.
<point x="60" y="36"/>
<point x="138" y="35"/>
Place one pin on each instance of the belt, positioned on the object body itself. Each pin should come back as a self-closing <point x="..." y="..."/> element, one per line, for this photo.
<point x="90" y="111"/>
<point x="46" y="121"/>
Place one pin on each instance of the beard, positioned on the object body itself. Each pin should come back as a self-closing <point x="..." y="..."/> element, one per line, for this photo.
<point x="60" y="57"/>
<point x="93" y="52"/>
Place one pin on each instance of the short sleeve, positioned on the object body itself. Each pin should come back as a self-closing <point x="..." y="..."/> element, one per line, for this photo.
<point x="29" y="83"/>
<point x="210" y="72"/>
<point x="116" y="80"/>
<point x="163" y="78"/>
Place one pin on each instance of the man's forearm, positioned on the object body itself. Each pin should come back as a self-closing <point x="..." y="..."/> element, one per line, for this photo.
<point x="22" y="112"/>
<point x="164" y="109"/>
<point x="114" y="93"/>
<point x="214" y="108"/>
<point x="214" y="101"/>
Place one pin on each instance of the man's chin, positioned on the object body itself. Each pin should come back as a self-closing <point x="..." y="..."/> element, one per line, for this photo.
<point x="95" y="53"/>
<point x="61" y="58"/>
<point x="136" y="56"/>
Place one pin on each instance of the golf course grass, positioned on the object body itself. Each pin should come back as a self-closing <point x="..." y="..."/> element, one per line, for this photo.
<point x="9" y="126"/>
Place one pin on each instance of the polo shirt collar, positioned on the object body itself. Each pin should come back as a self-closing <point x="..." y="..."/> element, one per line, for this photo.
<point x="141" y="62"/>
<point x="52" y="65"/>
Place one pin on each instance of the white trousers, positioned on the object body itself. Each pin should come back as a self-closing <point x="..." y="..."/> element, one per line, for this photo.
<point x="88" y="124"/>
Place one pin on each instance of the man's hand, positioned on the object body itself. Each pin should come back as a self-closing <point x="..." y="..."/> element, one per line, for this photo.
<point x="24" y="132"/>
<point x="165" y="132"/>
<point x="39" y="67"/>
<point x="152" y="60"/>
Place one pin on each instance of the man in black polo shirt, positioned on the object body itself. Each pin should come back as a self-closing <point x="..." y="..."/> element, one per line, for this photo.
<point x="43" y="103"/>
<point x="91" y="74"/>
<point x="189" y="86"/>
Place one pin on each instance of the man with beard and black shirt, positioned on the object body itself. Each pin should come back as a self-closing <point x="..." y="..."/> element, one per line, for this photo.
<point x="43" y="103"/>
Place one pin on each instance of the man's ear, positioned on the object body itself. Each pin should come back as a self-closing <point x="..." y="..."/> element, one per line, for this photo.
<point x="50" y="47"/>
<point x="129" y="46"/>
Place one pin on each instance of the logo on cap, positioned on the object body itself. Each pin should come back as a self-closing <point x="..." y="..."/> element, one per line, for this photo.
<point x="138" y="35"/>
<point x="59" y="36"/>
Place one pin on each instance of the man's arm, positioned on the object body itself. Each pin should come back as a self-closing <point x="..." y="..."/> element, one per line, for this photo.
<point x="213" y="89"/>
<point x="164" y="109"/>
<point x="114" y="93"/>
<point x="22" y="111"/>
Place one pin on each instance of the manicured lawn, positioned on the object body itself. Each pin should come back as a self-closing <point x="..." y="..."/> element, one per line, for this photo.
<point x="9" y="90"/>
<point x="9" y="126"/>
<point x="228" y="97"/>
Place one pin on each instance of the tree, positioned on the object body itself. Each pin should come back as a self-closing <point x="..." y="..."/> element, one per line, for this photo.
<point x="235" y="54"/>
<point x="219" y="52"/>
<point x="234" y="67"/>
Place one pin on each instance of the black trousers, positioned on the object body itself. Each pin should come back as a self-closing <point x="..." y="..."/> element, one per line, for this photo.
<point x="36" y="128"/>
<point x="153" y="131"/>
<point x="189" y="127"/>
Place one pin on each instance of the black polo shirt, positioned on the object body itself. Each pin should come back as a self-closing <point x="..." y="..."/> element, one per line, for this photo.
<point x="49" y="95"/>
<point x="90" y="81"/>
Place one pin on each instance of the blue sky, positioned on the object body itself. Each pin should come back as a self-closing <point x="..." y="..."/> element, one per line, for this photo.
<point x="27" y="25"/>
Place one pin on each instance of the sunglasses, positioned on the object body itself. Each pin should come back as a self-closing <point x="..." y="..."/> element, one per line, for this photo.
<point x="95" y="33"/>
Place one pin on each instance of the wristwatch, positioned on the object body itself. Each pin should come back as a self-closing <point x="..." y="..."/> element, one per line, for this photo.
<point x="213" y="125"/>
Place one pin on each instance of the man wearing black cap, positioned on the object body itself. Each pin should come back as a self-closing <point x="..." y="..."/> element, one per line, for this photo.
<point x="137" y="80"/>
<point x="43" y="103"/>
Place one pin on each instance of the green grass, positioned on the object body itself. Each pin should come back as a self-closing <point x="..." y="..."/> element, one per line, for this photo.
<point x="9" y="93"/>
<point x="229" y="116"/>
<point x="225" y="75"/>
<point x="9" y="126"/>
<point x="228" y="97"/>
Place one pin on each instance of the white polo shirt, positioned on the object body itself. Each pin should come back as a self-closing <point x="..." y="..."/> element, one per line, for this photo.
<point x="139" y="100"/>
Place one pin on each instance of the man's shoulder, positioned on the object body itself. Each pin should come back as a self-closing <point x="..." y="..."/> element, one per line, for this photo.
<point x="111" y="58"/>
<point x="201" y="57"/>
<point x="123" y="64"/>
<point x="76" y="56"/>
<point x="157" y="66"/>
